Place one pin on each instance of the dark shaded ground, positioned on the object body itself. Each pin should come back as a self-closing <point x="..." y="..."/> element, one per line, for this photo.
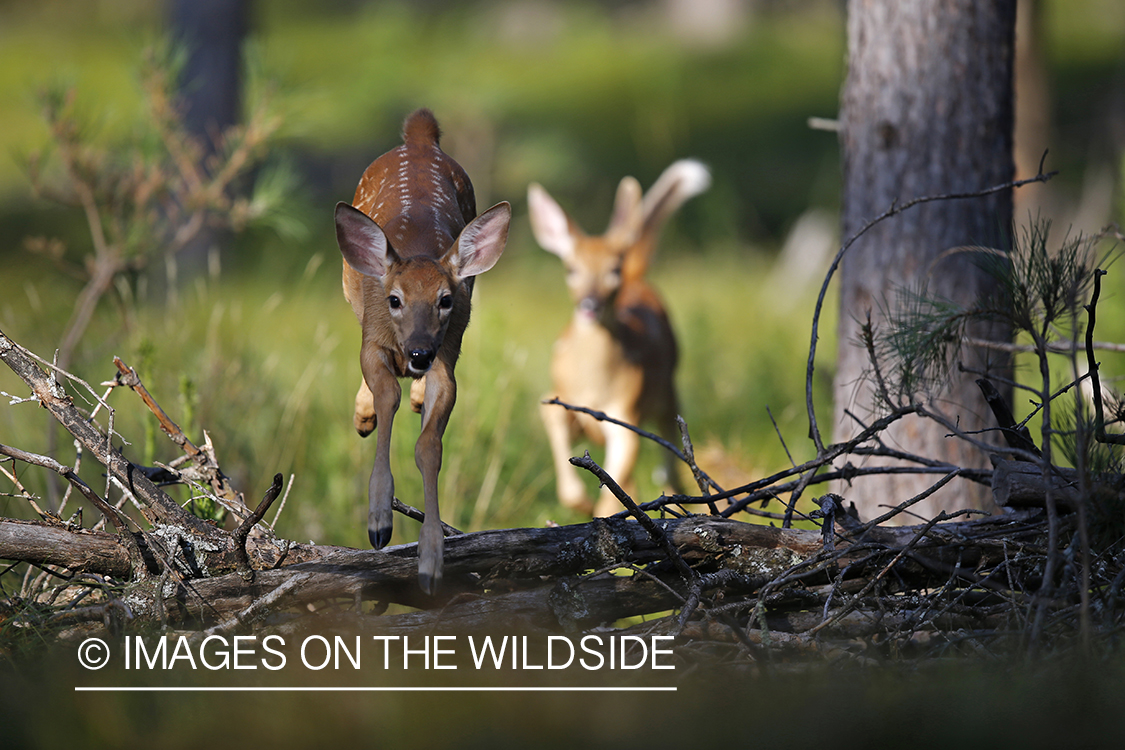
<point x="1058" y="703"/>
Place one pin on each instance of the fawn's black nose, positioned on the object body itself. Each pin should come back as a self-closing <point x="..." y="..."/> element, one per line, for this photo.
<point x="421" y="359"/>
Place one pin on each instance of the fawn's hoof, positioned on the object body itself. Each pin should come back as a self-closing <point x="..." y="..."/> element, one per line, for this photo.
<point x="364" y="425"/>
<point x="379" y="537"/>
<point x="429" y="583"/>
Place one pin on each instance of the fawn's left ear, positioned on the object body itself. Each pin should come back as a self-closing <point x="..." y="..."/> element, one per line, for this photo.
<point x="482" y="241"/>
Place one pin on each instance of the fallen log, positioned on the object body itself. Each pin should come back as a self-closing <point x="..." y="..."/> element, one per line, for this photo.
<point x="77" y="550"/>
<point x="500" y="577"/>
<point x="1020" y="484"/>
<point x="500" y="560"/>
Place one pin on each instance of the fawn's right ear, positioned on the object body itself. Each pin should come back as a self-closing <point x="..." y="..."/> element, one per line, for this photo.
<point x="551" y="226"/>
<point x="361" y="241"/>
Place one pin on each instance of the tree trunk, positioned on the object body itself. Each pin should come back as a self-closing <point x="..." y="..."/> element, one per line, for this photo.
<point x="926" y="110"/>
<point x="211" y="33"/>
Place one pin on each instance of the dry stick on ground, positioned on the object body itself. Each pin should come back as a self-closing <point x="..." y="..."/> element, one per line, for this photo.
<point x="48" y="391"/>
<point x="139" y="568"/>
<point x="1016" y="453"/>
<point x="1081" y="464"/>
<point x="701" y="479"/>
<point x="917" y="498"/>
<point x="203" y="460"/>
<point x="210" y="546"/>
<point x="847" y="473"/>
<point x="601" y="416"/>
<point x="1081" y="448"/>
<point x="854" y="602"/>
<point x="243" y="531"/>
<point x="691" y="578"/>
<point x="12" y="477"/>
<point x="414" y="513"/>
<point x="764" y="488"/>
<point x="1016" y="435"/>
<point x="1054" y="347"/>
<point x="942" y="516"/>
<point x="1046" y="589"/>
<point x="657" y="534"/>
<point x="830" y="454"/>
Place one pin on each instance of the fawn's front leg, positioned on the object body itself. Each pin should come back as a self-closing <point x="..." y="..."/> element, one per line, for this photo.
<point x="560" y="428"/>
<point x="440" y="395"/>
<point x="386" y="393"/>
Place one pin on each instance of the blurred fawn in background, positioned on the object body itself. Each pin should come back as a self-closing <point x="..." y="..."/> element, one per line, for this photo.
<point x="618" y="354"/>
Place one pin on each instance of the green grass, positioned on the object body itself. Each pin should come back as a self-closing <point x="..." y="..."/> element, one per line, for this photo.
<point x="273" y="357"/>
<point x="271" y="351"/>
<point x="270" y="348"/>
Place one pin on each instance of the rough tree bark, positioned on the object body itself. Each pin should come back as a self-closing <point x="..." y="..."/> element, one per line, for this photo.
<point x="927" y="109"/>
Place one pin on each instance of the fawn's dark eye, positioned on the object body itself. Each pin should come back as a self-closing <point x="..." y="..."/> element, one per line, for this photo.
<point x="394" y="302"/>
<point x="446" y="301"/>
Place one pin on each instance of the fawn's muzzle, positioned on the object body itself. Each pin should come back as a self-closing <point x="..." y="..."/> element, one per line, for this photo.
<point x="421" y="359"/>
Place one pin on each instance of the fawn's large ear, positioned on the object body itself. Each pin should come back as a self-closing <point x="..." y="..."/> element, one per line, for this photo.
<point x="627" y="215"/>
<point x="553" y="229"/>
<point x="482" y="241"/>
<point x="361" y="241"/>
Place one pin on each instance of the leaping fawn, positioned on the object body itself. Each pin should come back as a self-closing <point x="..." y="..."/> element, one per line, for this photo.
<point x="412" y="244"/>
<point x="618" y="355"/>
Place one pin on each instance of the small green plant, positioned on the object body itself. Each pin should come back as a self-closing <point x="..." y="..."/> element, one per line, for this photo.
<point x="152" y="196"/>
<point x="1041" y="293"/>
<point x="1042" y="296"/>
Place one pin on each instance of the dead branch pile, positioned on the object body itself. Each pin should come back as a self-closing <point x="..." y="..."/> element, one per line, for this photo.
<point x="725" y="587"/>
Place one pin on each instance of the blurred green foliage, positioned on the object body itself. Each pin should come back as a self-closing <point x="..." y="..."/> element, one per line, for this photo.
<point x="573" y="95"/>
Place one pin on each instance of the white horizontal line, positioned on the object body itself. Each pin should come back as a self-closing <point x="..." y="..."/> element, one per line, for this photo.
<point x="294" y="689"/>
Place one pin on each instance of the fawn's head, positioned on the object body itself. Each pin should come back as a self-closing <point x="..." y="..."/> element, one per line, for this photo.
<point x="596" y="266"/>
<point x="420" y="291"/>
